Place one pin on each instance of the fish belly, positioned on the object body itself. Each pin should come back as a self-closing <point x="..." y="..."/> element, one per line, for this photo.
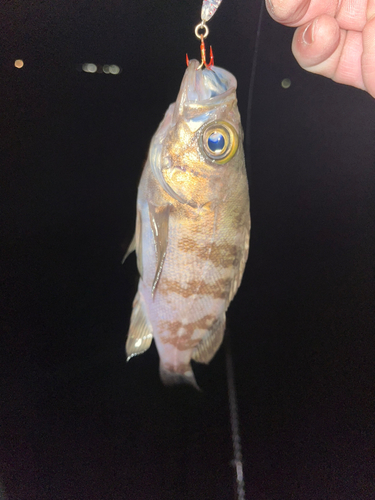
<point x="191" y="296"/>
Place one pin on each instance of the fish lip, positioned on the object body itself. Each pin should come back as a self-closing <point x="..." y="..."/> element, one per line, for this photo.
<point x="184" y="102"/>
<point x="194" y="83"/>
<point x="196" y="89"/>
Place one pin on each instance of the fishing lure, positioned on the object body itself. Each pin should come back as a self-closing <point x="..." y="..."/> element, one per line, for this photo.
<point x="193" y="221"/>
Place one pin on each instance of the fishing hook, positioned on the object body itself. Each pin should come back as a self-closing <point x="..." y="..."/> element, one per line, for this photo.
<point x="202" y="36"/>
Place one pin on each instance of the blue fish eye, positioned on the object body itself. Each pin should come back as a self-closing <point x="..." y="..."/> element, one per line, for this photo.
<point x="216" y="142"/>
<point x="219" y="142"/>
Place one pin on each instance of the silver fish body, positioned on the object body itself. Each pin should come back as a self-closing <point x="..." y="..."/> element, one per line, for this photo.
<point x="192" y="227"/>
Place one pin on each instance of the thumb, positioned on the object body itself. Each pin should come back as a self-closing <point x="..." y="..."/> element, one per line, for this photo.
<point x="323" y="48"/>
<point x="315" y="43"/>
<point x="368" y="56"/>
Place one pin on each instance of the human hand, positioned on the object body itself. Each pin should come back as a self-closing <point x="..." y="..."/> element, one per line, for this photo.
<point x="334" y="38"/>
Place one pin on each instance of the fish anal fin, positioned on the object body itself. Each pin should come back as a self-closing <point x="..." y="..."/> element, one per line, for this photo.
<point x="159" y="218"/>
<point x="210" y="343"/>
<point x="169" y="376"/>
<point x="136" y="244"/>
<point x="140" y="330"/>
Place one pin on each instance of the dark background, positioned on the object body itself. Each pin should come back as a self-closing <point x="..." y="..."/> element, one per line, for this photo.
<point x="77" y="421"/>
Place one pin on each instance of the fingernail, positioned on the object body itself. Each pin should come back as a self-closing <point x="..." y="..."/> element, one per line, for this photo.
<point x="308" y="34"/>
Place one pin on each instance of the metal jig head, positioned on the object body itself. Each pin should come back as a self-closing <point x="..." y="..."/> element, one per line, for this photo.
<point x="202" y="36"/>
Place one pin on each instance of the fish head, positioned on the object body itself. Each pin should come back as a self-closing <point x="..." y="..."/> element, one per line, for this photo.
<point x="197" y="148"/>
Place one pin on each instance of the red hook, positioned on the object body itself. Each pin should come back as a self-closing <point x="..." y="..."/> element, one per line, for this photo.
<point x="203" y="56"/>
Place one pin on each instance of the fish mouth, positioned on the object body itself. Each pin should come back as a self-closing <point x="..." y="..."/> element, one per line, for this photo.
<point x="199" y="88"/>
<point x="206" y="86"/>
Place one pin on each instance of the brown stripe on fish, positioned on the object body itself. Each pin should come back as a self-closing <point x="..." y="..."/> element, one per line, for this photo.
<point x="187" y="244"/>
<point x="219" y="289"/>
<point x="180" y="335"/>
<point x="221" y="255"/>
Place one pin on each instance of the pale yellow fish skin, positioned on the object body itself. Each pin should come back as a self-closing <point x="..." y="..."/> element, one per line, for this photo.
<point x="208" y="229"/>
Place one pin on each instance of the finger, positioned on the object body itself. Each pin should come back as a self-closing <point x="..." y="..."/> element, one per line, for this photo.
<point x="368" y="56"/>
<point x="316" y="41"/>
<point x="298" y="12"/>
<point x="351" y="14"/>
<point x="287" y="12"/>
<point x="370" y="13"/>
<point x="322" y="47"/>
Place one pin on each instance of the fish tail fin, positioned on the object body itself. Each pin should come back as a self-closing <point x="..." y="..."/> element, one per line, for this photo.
<point x="172" y="377"/>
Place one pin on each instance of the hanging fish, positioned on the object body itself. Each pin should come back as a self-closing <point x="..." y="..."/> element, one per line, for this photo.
<point x="192" y="225"/>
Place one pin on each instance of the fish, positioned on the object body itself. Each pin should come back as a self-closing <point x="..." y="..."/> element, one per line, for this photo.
<point x="192" y="226"/>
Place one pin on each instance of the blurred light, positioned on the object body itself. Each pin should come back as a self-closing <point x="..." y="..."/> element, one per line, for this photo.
<point x="115" y="70"/>
<point x="108" y="69"/>
<point x="286" y="83"/>
<point x="89" y="67"/>
<point x="18" y="63"/>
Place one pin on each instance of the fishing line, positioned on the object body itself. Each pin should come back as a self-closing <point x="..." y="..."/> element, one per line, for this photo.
<point x="232" y="393"/>
<point x="251" y="85"/>
<point x="234" y="423"/>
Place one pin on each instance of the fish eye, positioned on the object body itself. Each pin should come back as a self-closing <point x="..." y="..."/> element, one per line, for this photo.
<point x="216" y="142"/>
<point x="219" y="141"/>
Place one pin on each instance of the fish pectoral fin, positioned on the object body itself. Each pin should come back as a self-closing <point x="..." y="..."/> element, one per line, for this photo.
<point x="140" y="330"/>
<point x="170" y="377"/>
<point x="159" y="219"/>
<point x="207" y="347"/>
<point x="136" y="244"/>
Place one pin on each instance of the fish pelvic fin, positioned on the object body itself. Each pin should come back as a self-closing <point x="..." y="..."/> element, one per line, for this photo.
<point x="140" y="330"/>
<point x="210" y="343"/>
<point x="170" y="376"/>
<point x="130" y="249"/>
<point x="136" y="244"/>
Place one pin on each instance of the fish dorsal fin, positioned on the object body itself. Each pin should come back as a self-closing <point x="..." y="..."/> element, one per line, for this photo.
<point x="207" y="347"/>
<point x="159" y="219"/>
<point x="136" y="244"/>
<point x="140" y="330"/>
